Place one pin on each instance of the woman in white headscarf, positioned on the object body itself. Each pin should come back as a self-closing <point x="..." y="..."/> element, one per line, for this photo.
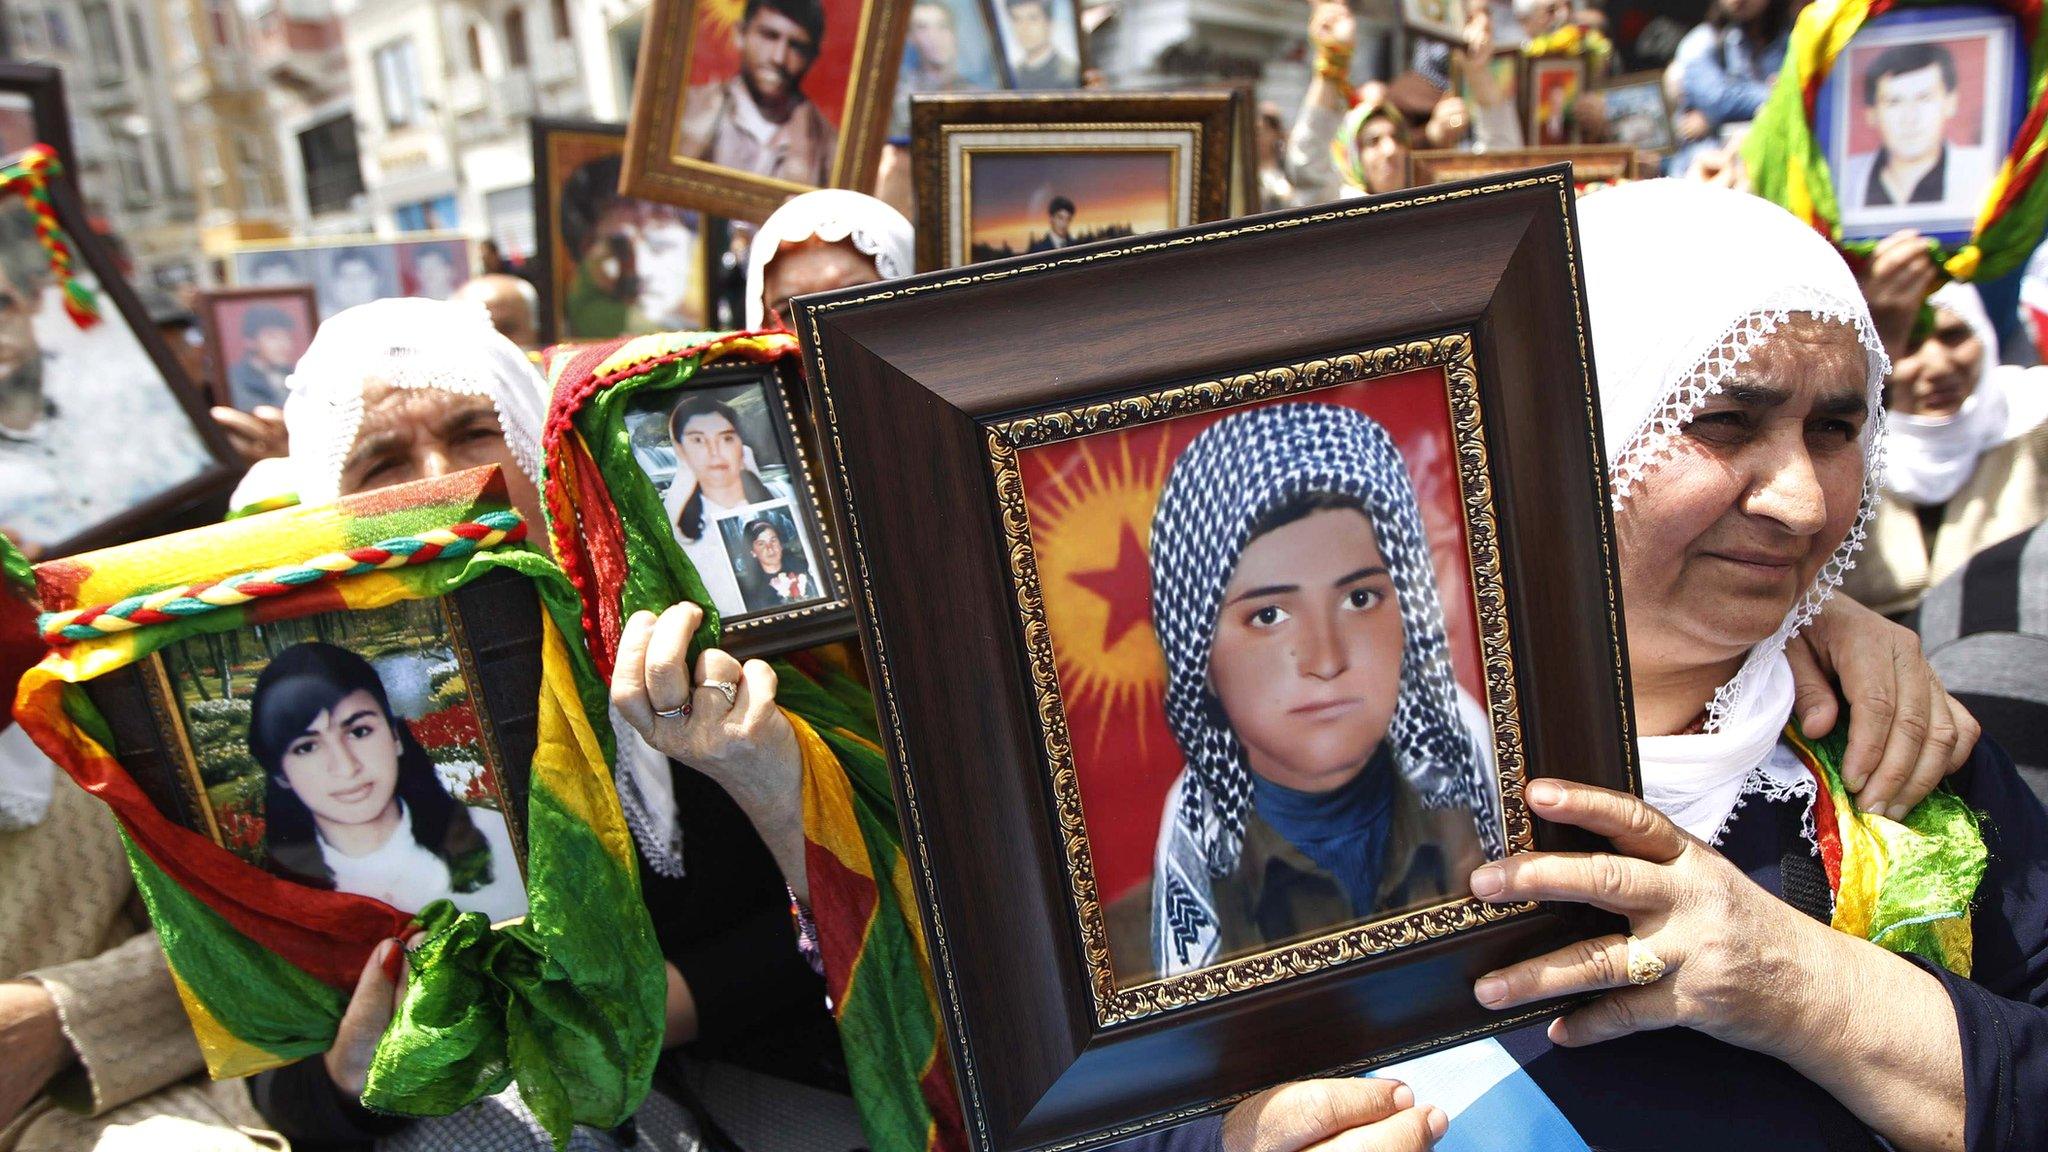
<point x="1967" y="465"/>
<point x="822" y="241"/>
<point x="405" y="389"/>
<point x="1739" y="400"/>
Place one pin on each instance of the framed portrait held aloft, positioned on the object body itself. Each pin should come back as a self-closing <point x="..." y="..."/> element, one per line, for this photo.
<point x="1638" y="112"/>
<point x="63" y="485"/>
<point x="254" y="338"/>
<point x="738" y="107"/>
<point x="616" y="266"/>
<point x="1000" y="176"/>
<point x="1246" y="566"/>
<point x="1435" y="19"/>
<point x="713" y="477"/>
<point x="350" y="271"/>
<point x="1042" y="43"/>
<point x="951" y="46"/>
<point x="1916" y="117"/>
<point x="1591" y="164"/>
<point x="1551" y="87"/>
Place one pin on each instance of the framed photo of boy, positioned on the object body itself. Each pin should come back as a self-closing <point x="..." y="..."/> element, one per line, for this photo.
<point x="1551" y="87"/>
<point x="616" y="266"/>
<point x="62" y="488"/>
<point x="1916" y="117"/>
<point x="737" y="107"/>
<point x="255" y="337"/>
<point x="1009" y="175"/>
<point x="1638" y="112"/>
<point x="1042" y="42"/>
<point x="1128" y="541"/>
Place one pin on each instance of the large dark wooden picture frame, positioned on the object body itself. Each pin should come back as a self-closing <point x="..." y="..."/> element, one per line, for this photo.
<point x="1478" y="283"/>
<point x="949" y="131"/>
<point x="200" y="497"/>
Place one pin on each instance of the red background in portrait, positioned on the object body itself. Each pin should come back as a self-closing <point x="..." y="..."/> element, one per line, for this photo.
<point x="1091" y="502"/>
<point x="714" y="56"/>
<point x="1965" y="131"/>
<point x="229" y="324"/>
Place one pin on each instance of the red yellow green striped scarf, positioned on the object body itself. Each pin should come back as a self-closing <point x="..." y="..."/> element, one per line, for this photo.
<point x="611" y="536"/>
<point x="567" y="1002"/>
<point x="1786" y="166"/>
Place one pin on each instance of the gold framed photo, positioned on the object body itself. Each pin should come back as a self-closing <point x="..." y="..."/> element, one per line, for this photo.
<point x="739" y="106"/>
<point x="1011" y="175"/>
<point x="1591" y="163"/>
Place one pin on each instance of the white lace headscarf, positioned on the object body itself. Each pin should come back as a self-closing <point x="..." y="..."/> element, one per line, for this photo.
<point x="451" y="346"/>
<point x="1683" y="283"/>
<point x="830" y="214"/>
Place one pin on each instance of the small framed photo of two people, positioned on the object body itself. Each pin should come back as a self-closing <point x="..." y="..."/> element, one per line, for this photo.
<point x="1024" y="174"/>
<point x="382" y="752"/>
<point x="740" y="104"/>
<point x="1551" y="87"/>
<point x="255" y="337"/>
<point x="1916" y="117"/>
<point x="1269" y="586"/>
<point x="739" y="497"/>
<point x="616" y="266"/>
<point x="103" y="436"/>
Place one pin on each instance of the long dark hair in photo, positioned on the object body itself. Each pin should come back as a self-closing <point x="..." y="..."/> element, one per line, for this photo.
<point x="690" y="518"/>
<point x="299" y="684"/>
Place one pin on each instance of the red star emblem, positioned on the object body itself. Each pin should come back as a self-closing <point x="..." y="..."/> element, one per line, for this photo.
<point x="1127" y="587"/>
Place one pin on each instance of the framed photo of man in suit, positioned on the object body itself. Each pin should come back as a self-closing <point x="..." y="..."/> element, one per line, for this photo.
<point x="738" y="106"/>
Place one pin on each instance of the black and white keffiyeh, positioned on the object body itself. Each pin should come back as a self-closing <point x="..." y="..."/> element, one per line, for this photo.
<point x="1234" y="476"/>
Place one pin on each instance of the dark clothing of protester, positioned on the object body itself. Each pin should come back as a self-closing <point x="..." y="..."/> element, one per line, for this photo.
<point x="1985" y="630"/>
<point x="1676" y="1090"/>
<point x="1055" y="71"/>
<point x="251" y="383"/>
<point x="726" y="926"/>
<point x="1931" y="188"/>
<point x="1048" y="243"/>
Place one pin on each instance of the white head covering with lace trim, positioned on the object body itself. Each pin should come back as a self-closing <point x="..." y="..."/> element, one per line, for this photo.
<point x="1683" y="283"/>
<point x="451" y="346"/>
<point x="830" y="214"/>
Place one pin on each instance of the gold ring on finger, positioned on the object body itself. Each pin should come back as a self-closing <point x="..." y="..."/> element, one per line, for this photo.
<point x="1644" y="966"/>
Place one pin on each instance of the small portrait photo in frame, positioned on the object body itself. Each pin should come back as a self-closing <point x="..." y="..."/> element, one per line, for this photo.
<point x="355" y="751"/>
<point x="347" y="275"/>
<point x="1435" y="19"/>
<point x="724" y="455"/>
<point x="255" y="337"/>
<point x="738" y="106"/>
<point x="1001" y="176"/>
<point x="1916" y="117"/>
<point x="1638" y="112"/>
<point x="274" y="268"/>
<point x="1591" y="163"/>
<point x="433" y="268"/>
<point x="616" y="266"/>
<point x="1551" y="86"/>
<point x="1042" y="42"/>
<point x="951" y="47"/>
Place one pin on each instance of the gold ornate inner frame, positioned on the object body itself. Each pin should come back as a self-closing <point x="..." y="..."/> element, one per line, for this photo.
<point x="1181" y="143"/>
<point x="1453" y="355"/>
<point x="169" y="719"/>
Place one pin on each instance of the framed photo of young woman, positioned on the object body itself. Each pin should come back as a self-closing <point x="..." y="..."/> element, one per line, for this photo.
<point x="1010" y="175"/>
<point x="1272" y="570"/>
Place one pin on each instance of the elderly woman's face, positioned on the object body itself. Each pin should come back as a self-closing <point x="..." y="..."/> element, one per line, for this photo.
<point x="1942" y="372"/>
<point x="1307" y="654"/>
<point x="417" y="433"/>
<point x="344" y="766"/>
<point x="808" y="266"/>
<point x="1720" y="540"/>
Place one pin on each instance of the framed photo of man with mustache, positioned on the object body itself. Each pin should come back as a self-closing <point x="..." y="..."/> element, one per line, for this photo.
<point x="740" y="104"/>
<point x="63" y="386"/>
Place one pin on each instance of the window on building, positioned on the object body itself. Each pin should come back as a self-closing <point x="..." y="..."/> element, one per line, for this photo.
<point x="105" y="45"/>
<point x="436" y="215"/>
<point x="509" y="214"/>
<point x="398" y="83"/>
<point x="28" y="29"/>
<point x="333" y="170"/>
<point x="60" y="30"/>
<point x="626" y="55"/>
<point x="559" y="10"/>
<point x="134" y="173"/>
<point x="253" y="172"/>
<point x="138" y="41"/>
<point x="515" y="38"/>
<point x="475" y="40"/>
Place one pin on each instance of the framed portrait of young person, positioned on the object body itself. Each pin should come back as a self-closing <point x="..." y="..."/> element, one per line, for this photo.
<point x="1238" y="547"/>
<point x="1591" y="163"/>
<point x="63" y="485"/>
<point x="1020" y="174"/>
<point x="1638" y="112"/>
<point x="1916" y="116"/>
<point x="1042" y="43"/>
<point x="616" y="265"/>
<point x="254" y="338"/>
<point x="951" y="46"/>
<point x="739" y="106"/>
<point x="349" y="271"/>
<point x="1551" y="87"/>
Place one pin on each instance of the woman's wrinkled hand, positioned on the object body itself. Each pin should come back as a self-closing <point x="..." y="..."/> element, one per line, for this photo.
<point x="1740" y="965"/>
<point x="1896" y="281"/>
<point x="257" y="435"/>
<point x="1359" y="1115"/>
